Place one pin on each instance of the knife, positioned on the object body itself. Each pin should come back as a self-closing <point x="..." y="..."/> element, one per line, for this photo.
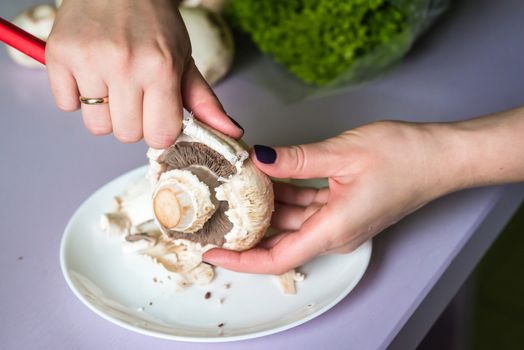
<point x="21" y="40"/>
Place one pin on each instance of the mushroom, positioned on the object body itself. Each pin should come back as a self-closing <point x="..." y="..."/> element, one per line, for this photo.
<point x="216" y="6"/>
<point x="211" y="42"/>
<point x="287" y="281"/>
<point x="208" y="191"/>
<point x="37" y="20"/>
<point x="202" y="192"/>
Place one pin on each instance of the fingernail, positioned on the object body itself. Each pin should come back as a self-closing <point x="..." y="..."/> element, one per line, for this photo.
<point x="236" y="123"/>
<point x="265" y="154"/>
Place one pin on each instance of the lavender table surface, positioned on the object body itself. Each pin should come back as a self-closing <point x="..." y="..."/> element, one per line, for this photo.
<point x="470" y="64"/>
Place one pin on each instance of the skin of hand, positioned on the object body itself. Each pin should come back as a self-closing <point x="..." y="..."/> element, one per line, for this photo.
<point x="377" y="174"/>
<point x="138" y="53"/>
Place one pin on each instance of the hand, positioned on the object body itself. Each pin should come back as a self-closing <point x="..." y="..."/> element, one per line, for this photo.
<point x="138" y="53"/>
<point x="377" y="174"/>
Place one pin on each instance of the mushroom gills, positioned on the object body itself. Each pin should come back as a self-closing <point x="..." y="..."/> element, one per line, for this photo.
<point x="208" y="191"/>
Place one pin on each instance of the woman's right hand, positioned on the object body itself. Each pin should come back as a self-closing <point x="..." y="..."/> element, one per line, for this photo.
<point x="138" y="53"/>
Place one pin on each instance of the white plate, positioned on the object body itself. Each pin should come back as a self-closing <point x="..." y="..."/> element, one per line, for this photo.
<point x="114" y="285"/>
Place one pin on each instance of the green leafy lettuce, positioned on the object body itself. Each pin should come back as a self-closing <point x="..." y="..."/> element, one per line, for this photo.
<point x="329" y="41"/>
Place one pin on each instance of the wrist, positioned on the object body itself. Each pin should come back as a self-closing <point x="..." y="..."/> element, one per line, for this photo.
<point x="479" y="152"/>
<point x="448" y="155"/>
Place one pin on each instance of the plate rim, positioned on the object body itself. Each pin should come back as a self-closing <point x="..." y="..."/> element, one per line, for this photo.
<point x="191" y="339"/>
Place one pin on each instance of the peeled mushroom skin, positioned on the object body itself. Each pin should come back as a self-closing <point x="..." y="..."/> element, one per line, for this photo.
<point x="201" y="275"/>
<point x="135" y="202"/>
<point x="37" y="20"/>
<point x="287" y="281"/>
<point x="115" y="224"/>
<point x="242" y="196"/>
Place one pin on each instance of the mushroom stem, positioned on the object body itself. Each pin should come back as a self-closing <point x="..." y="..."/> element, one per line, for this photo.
<point x="182" y="202"/>
<point x="167" y="207"/>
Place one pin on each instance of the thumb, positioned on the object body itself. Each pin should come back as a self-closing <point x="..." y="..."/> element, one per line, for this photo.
<point x="307" y="161"/>
<point x="200" y="99"/>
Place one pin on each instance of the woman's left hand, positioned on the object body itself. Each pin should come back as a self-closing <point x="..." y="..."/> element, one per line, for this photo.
<point x="377" y="174"/>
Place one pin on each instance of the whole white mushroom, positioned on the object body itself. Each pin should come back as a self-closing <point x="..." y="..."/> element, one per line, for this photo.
<point x="213" y="5"/>
<point x="211" y="41"/>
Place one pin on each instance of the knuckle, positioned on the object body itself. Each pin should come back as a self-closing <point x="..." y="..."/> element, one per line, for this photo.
<point x="350" y="248"/>
<point x="119" y="57"/>
<point x="331" y="243"/>
<point x="100" y="130"/>
<point x="66" y="105"/>
<point x="97" y="128"/>
<point x="299" y="156"/>
<point x="60" y="48"/>
<point x="161" y="140"/>
<point x="158" y="63"/>
<point x="280" y="270"/>
<point x="128" y="136"/>
<point x="279" y="264"/>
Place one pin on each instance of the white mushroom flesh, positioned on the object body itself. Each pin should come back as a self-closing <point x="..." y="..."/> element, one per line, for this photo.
<point x="211" y="42"/>
<point x="136" y="202"/>
<point x="247" y="211"/>
<point x="231" y="150"/>
<point x="287" y="281"/>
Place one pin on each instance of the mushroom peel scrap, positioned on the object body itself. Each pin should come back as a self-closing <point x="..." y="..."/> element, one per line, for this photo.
<point x="207" y="190"/>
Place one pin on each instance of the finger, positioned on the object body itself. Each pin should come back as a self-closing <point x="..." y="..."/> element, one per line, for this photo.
<point x="162" y="120"/>
<point x="299" y="162"/>
<point x="287" y="217"/>
<point x="292" y="250"/>
<point x="96" y="117"/>
<point x="290" y="217"/>
<point x="297" y="195"/>
<point x="350" y="246"/>
<point x="346" y="249"/>
<point x="272" y="241"/>
<point x="63" y="86"/>
<point x="125" y="107"/>
<point x="201" y="100"/>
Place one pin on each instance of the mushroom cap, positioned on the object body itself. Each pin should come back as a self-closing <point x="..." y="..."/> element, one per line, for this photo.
<point x="208" y="191"/>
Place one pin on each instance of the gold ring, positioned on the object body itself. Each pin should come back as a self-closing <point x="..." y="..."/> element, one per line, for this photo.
<point x="94" y="100"/>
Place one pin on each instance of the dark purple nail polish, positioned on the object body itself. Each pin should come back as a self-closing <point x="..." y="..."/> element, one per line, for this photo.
<point x="265" y="154"/>
<point x="236" y="123"/>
